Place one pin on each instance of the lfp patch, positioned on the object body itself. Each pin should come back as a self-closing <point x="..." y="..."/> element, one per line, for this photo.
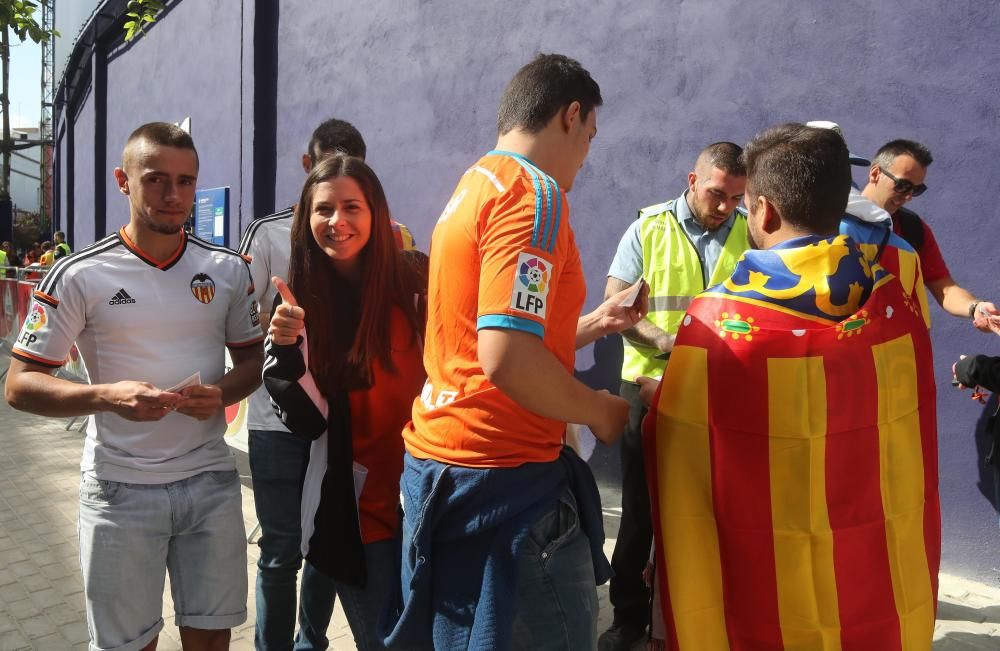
<point x="532" y="276"/>
<point x="36" y="318"/>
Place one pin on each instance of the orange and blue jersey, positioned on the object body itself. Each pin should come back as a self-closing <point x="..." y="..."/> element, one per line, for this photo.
<point x="503" y="255"/>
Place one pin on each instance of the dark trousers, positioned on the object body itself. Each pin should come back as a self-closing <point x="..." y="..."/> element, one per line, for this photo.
<point x="629" y="594"/>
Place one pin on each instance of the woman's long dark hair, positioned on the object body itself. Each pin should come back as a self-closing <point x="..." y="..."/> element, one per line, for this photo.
<point x="349" y="325"/>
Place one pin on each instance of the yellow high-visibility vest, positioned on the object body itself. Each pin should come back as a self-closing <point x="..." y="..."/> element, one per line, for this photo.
<point x="673" y="270"/>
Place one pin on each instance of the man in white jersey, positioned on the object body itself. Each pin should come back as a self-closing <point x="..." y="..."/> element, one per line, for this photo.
<point x="150" y="308"/>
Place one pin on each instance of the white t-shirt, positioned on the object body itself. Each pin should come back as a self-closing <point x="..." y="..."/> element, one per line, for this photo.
<point x="267" y="243"/>
<point x="135" y="319"/>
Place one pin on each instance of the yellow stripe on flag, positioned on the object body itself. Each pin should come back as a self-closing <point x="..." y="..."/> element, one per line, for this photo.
<point x="689" y="535"/>
<point x="911" y="278"/>
<point x="907" y="270"/>
<point x="803" y="539"/>
<point x="902" y="477"/>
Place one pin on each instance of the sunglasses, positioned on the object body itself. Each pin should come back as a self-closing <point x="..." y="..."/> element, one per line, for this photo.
<point x="902" y="186"/>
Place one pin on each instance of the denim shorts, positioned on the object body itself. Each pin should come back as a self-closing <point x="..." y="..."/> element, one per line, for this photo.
<point x="130" y="534"/>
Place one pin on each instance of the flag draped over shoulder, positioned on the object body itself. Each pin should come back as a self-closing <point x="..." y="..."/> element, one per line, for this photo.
<point x="792" y="460"/>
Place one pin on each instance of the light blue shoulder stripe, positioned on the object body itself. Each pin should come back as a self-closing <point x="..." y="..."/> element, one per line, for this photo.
<point x="555" y="229"/>
<point x="553" y="195"/>
<point x="543" y="211"/>
<point x="508" y="322"/>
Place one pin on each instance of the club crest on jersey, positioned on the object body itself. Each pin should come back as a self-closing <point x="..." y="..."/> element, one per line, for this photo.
<point x="203" y="288"/>
<point x="254" y="314"/>
<point x="36" y="318"/>
<point x="531" y="284"/>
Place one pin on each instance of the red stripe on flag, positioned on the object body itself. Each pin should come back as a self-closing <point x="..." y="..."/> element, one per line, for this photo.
<point x="741" y="485"/>
<point x="868" y="614"/>
<point x="927" y="391"/>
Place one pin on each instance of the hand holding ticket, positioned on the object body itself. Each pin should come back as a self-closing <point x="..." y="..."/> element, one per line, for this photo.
<point x="986" y="317"/>
<point x="633" y="293"/>
<point x="192" y="380"/>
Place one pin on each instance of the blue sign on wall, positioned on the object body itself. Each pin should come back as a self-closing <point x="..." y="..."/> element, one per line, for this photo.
<point x="211" y="215"/>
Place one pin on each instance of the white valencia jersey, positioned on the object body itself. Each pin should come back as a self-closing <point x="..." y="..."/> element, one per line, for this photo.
<point x="267" y="243"/>
<point x="135" y="319"/>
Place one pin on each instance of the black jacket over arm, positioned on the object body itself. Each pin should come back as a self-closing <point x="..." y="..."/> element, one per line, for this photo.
<point x="979" y="370"/>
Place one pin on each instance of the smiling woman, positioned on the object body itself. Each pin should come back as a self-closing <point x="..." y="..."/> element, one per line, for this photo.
<point x="341" y="222"/>
<point x="344" y="366"/>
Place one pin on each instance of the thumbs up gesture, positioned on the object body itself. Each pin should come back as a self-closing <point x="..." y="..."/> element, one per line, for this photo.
<point x="289" y="319"/>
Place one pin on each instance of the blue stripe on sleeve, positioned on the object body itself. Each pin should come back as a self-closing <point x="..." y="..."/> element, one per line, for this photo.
<point x="553" y="195"/>
<point x="508" y="322"/>
<point x="555" y="229"/>
<point x="549" y="191"/>
<point x="539" y="233"/>
<point x="540" y="216"/>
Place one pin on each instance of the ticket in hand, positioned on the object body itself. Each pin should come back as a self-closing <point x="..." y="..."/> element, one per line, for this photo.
<point x="192" y="380"/>
<point x="633" y="295"/>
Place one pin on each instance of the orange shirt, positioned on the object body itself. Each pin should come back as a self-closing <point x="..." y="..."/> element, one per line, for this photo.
<point x="377" y="415"/>
<point x="503" y="255"/>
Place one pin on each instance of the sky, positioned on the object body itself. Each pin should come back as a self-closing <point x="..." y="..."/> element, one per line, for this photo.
<point x="25" y="83"/>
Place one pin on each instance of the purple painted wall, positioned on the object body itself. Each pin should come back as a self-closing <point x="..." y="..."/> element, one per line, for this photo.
<point x="189" y="66"/>
<point x="82" y="169"/>
<point x="61" y="167"/>
<point x="422" y="81"/>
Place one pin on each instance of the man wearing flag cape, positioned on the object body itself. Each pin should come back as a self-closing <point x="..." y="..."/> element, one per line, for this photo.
<point x="791" y="447"/>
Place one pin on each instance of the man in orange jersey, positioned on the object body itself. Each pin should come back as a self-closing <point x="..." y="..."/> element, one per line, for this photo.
<point x="792" y="448"/>
<point x="488" y="487"/>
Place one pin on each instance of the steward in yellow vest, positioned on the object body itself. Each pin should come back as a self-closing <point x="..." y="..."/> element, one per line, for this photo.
<point x="676" y="274"/>
<point x="680" y="247"/>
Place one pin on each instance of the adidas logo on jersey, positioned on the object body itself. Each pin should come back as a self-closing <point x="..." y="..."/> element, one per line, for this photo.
<point x="121" y="298"/>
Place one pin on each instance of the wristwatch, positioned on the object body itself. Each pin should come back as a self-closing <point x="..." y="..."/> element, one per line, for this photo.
<point x="972" y="309"/>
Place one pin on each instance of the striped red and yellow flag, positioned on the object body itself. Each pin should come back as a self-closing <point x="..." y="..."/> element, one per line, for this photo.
<point x="793" y="472"/>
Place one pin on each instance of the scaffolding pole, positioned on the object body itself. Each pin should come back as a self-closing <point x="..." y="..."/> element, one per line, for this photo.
<point x="45" y="127"/>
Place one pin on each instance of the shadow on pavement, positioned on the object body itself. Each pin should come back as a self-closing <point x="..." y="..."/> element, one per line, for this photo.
<point x="960" y="613"/>
<point x="966" y="642"/>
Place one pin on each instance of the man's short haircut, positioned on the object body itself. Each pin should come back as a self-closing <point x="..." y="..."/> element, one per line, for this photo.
<point x="888" y="152"/>
<point x="804" y="171"/>
<point x="59" y="235"/>
<point x="335" y="136"/>
<point x="159" y="133"/>
<point x="724" y="156"/>
<point x="541" y="89"/>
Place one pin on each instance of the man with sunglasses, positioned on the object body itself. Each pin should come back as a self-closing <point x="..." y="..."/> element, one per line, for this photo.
<point x="896" y="176"/>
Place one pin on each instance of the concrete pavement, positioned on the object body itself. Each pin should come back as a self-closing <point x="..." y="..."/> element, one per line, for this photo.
<point x="41" y="593"/>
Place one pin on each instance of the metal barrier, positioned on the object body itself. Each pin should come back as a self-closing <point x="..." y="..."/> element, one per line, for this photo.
<point x="34" y="273"/>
